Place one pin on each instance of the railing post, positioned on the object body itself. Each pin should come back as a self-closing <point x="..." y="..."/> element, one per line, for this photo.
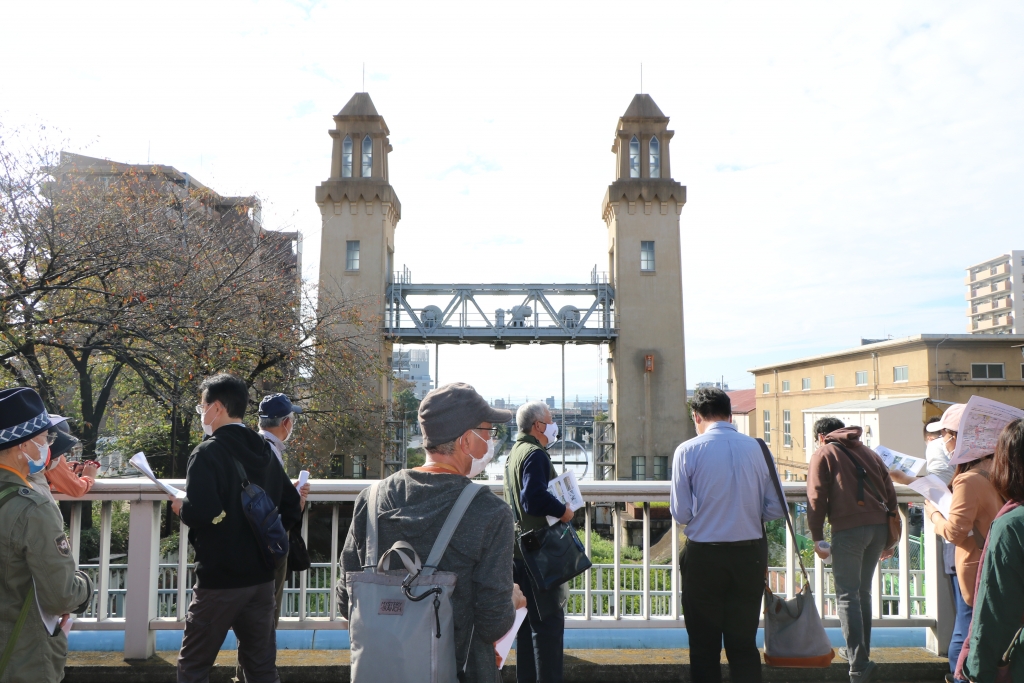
<point x="938" y="593"/>
<point x="76" y="531"/>
<point x="335" y="507"/>
<point x="588" y="608"/>
<point x="181" y="608"/>
<point x="674" y="530"/>
<point x="140" y="594"/>
<point x="616" y="563"/>
<point x="103" y="575"/>
<point x="791" y="551"/>
<point x="904" y="553"/>
<point x="646" y="610"/>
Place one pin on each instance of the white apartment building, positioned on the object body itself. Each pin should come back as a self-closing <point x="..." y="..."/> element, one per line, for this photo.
<point x="995" y="295"/>
<point x="413" y="366"/>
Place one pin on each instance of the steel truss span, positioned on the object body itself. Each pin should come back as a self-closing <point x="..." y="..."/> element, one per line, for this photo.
<point x="539" y="314"/>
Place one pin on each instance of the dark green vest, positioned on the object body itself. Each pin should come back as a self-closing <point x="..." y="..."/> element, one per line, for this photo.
<point x="525" y="444"/>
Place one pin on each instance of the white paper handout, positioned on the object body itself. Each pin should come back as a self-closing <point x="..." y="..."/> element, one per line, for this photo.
<point x="564" y="488"/>
<point x="894" y="460"/>
<point x="303" y="478"/>
<point x="50" y="621"/>
<point x="503" y="646"/>
<point x="980" y="425"/>
<point x="142" y="465"/>
<point x="935" y="490"/>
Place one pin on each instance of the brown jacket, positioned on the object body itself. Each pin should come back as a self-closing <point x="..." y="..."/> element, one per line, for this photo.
<point x="975" y="504"/>
<point x="832" y="485"/>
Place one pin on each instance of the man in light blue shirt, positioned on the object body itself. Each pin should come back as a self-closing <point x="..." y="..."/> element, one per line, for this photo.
<point x="722" y="490"/>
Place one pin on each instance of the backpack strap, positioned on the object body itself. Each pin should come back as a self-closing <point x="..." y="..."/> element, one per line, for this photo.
<point x="370" y="562"/>
<point x="862" y="478"/>
<point x="454" y="517"/>
<point x="8" y="489"/>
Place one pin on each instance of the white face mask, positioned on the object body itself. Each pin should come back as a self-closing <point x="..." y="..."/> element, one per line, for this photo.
<point x="36" y="465"/>
<point x="207" y="429"/>
<point x="478" y="464"/>
<point x="550" y="432"/>
<point x="944" y="442"/>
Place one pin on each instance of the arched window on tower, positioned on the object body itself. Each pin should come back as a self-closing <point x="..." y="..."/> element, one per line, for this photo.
<point x="346" y="157"/>
<point x="367" y="156"/>
<point x="655" y="157"/>
<point x="634" y="158"/>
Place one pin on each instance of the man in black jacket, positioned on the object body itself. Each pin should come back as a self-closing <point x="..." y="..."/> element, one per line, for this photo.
<point x="234" y="586"/>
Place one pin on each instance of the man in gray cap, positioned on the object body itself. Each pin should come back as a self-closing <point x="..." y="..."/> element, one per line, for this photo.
<point x="457" y="425"/>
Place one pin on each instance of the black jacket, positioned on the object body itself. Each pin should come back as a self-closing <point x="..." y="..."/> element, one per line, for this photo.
<point x="227" y="554"/>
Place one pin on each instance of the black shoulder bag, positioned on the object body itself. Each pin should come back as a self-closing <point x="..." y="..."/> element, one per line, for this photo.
<point x="264" y="519"/>
<point x="553" y="554"/>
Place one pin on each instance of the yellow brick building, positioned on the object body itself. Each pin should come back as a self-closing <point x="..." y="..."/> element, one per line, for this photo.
<point x="882" y="386"/>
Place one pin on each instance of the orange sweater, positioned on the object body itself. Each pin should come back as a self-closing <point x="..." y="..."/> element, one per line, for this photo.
<point x="64" y="480"/>
<point x="975" y="504"/>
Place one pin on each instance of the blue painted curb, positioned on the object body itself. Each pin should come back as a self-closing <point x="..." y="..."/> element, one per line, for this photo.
<point x="575" y="639"/>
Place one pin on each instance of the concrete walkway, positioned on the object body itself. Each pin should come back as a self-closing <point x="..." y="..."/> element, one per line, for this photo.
<point x="584" y="666"/>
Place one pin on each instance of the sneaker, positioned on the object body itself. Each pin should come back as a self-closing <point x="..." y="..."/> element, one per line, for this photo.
<point x="863" y="676"/>
<point x="950" y="678"/>
<point x="842" y="653"/>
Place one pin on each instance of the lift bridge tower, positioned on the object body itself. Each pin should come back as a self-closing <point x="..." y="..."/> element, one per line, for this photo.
<point x="636" y="307"/>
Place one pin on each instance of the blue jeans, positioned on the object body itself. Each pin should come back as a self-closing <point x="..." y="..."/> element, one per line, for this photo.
<point x="855" y="554"/>
<point x="964" y="612"/>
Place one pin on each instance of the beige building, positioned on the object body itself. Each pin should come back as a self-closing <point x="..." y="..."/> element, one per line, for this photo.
<point x="359" y="211"/>
<point x="882" y="386"/>
<point x="995" y="295"/>
<point x="647" y="362"/>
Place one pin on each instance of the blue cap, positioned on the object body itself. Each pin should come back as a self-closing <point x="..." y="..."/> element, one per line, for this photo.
<point x="277" y="405"/>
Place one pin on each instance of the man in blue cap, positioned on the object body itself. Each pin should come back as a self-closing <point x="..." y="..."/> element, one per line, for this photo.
<point x="277" y="420"/>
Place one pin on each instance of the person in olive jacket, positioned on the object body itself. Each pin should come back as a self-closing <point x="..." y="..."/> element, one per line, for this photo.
<point x="37" y="570"/>
<point x="234" y="586"/>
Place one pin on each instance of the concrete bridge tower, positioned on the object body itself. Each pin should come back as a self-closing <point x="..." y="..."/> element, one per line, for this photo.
<point x="360" y="210"/>
<point x="647" y="364"/>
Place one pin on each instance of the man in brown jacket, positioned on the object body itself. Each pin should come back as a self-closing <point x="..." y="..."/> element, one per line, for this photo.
<point x="849" y="483"/>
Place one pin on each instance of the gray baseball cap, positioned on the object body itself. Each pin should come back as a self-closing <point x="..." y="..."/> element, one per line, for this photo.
<point x="446" y="413"/>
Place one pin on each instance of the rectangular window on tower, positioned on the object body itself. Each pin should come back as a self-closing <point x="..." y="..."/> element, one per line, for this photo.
<point x="647" y="257"/>
<point x="661" y="467"/>
<point x="767" y="426"/>
<point x="352" y="255"/>
<point x="787" y="435"/>
<point x="639" y="468"/>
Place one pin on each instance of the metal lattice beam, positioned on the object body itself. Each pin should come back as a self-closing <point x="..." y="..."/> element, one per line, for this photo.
<point x="453" y="314"/>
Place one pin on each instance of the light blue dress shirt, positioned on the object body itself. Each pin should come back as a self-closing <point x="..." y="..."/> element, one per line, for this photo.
<point x="722" y="489"/>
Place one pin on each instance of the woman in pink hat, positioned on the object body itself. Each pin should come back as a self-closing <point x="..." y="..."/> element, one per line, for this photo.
<point x="975" y="504"/>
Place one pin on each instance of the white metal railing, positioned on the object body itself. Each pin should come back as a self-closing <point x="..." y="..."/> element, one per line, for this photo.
<point x="143" y="595"/>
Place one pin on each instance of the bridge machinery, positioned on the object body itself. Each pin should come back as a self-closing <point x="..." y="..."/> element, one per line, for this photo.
<point x="635" y="308"/>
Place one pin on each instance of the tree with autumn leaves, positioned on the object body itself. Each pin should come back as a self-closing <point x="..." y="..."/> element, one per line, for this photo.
<point x="122" y="287"/>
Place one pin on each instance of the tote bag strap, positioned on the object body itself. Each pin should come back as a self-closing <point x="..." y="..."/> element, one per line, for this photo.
<point x="454" y="517"/>
<point x="370" y="563"/>
<point x="768" y="460"/>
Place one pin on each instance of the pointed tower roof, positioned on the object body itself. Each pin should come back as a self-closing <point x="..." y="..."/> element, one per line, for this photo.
<point x="643" y="107"/>
<point x="361" y="105"/>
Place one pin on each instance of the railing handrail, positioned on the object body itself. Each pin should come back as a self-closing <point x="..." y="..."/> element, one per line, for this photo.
<point x="328" y="490"/>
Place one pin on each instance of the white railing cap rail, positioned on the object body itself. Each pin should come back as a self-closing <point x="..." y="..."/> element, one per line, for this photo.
<point x="347" y="489"/>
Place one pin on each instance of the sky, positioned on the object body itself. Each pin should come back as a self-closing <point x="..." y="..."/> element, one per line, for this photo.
<point x="844" y="162"/>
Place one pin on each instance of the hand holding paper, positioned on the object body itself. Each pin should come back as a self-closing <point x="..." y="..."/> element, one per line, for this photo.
<point x="303" y="478"/>
<point x="565" y="488"/>
<point x="504" y="645"/>
<point x="140" y="463"/>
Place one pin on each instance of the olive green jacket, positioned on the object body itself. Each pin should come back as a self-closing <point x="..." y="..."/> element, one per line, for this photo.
<point x="524" y="446"/>
<point x="33" y="548"/>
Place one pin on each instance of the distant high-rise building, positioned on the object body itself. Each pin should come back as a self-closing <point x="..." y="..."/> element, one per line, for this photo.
<point x="995" y="298"/>
<point x="550" y="400"/>
<point x="413" y="366"/>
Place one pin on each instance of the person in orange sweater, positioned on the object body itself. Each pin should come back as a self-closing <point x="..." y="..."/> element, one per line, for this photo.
<point x="975" y="504"/>
<point x="62" y="475"/>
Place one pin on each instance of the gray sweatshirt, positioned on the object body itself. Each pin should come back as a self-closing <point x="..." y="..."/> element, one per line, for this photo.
<point x="413" y="508"/>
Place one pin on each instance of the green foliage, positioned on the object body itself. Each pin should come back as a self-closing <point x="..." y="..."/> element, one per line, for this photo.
<point x="415" y="457"/>
<point x="118" y="531"/>
<point x="602" y="551"/>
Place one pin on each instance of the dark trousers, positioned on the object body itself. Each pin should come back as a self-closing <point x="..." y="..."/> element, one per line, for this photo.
<point x="855" y="554"/>
<point x="250" y="612"/>
<point x="723" y="586"/>
<point x="961" y="626"/>
<point x="280" y="578"/>
<point x="539" y="641"/>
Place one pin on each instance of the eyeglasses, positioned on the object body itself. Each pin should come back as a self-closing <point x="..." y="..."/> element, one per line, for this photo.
<point x="51" y="435"/>
<point x="199" y="409"/>
<point x="491" y="431"/>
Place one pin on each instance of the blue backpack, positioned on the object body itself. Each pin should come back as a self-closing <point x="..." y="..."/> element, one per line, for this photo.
<point x="264" y="519"/>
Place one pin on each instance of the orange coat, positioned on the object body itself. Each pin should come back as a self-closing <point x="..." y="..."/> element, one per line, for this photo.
<point x="975" y="504"/>
<point x="64" y="480"/>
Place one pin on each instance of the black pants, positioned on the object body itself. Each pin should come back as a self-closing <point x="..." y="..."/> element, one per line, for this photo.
<point x="540" y="639"/>
<point x="722" y="590"/>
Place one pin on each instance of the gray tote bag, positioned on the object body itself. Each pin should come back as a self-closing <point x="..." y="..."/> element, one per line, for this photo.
<point x="400" y="621"/>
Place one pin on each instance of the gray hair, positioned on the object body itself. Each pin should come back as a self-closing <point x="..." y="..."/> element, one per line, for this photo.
<point x="270" y="422"/>
<point x="446" y="448"/>
<point x="529" y="413"/>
